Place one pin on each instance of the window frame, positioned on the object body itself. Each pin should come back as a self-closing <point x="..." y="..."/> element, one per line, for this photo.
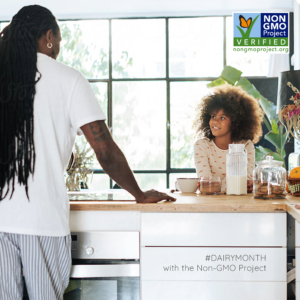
<point x="168" y="170"/>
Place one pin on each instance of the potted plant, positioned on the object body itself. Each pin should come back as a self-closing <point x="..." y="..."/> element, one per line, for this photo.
<point x="79" y="171"/>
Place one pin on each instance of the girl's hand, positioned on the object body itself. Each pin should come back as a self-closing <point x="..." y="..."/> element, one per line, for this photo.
<point x="249" y="186"/>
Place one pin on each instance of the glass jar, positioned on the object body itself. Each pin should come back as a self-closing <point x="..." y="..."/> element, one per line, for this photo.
<point x="269" y="179"/>
<point x="210" y="185"/>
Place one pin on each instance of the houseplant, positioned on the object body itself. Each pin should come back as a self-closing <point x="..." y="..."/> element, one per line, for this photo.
<point x="79" y="171"/>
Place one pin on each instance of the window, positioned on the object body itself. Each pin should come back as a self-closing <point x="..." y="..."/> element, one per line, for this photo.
<point x="252" y="64"/>
<point x="85" y="47"/>
<point x="184" y="97"/>
<point x="139" y="117"/>
<point x="196" y="47"/>
<point x="148" y="75"/>
<point x="3" y="24"/>
<point x="139" y="48"/>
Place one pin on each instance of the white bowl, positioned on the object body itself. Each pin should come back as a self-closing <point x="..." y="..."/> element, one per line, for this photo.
<point x="187" y="185"/>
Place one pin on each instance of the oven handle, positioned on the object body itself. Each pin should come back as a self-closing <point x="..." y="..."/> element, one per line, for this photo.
<point x="97" y="271"/>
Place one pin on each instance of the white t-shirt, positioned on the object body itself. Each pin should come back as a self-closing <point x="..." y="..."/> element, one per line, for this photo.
<point x="211" y="161"/>
<point x="64" y="102"/>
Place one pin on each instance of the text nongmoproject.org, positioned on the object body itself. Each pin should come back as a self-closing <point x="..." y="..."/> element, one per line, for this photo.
<point x="260" y="49"/>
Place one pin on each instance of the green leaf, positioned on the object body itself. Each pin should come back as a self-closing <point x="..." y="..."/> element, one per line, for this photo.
<point x="248" y="87"/>
<point x="216" y="82"/>
<point x="247" y="35"/>
<point x="277" y="139"/>
<point x="283" y="132"/>
<point x="269" y="108"/>
<point x="274" y="126"/>
<point x="231" y="75"/>
<point x="242" y="32"/>
<point x="267" y="123"/>
<point x="261" y="151"/>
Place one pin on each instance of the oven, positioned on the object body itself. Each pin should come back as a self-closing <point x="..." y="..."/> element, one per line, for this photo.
<point x="105" y="266"/>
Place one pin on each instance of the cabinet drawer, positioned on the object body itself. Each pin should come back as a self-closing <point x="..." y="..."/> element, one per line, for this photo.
<point x="297" y="234"/>
<point x="195" y="290"/>
<point x="213" y="264"/>
<point x="213" y="229"/>
<point x="297" y="264"/>
<point x="104" y="220"/>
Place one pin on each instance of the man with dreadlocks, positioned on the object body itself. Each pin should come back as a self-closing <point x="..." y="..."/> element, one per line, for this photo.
<point x="43" y="105"/>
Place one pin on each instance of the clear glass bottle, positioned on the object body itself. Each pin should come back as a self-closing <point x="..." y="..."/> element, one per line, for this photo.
<point x="269" y="179"/>
<point x="236" y="170"/>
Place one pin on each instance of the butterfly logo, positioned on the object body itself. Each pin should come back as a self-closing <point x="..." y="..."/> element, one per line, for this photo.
<point x="244" y="23"/>
<point x="248" y="24"/>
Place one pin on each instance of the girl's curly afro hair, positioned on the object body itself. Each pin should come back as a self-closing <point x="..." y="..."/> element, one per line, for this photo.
<point x="243" y="110"/>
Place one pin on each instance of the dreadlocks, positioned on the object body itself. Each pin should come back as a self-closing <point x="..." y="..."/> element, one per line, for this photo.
<point x="18" y="70"/>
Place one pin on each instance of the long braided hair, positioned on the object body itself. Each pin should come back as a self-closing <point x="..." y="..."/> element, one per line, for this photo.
<point x="18" y="72"/>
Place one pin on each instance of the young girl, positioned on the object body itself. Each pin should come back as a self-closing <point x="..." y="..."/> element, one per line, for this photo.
<point x="227" y="116"/>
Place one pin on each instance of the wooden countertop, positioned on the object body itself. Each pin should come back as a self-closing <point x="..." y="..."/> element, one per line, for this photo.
<point x="186" y="202"/>
<point x="191" y="202"/>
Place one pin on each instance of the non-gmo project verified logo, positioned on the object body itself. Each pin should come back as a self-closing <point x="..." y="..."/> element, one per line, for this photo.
<point x="261" y="32"/>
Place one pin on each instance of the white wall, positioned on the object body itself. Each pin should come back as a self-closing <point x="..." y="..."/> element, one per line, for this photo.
<point x="296" y="36"/>
<point x="72" y="9"/>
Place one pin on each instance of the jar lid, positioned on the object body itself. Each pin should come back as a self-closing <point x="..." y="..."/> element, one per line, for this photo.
<point x="210" y="178"/>
<point x="236" y="148"/>
<point x="269" y="161"/>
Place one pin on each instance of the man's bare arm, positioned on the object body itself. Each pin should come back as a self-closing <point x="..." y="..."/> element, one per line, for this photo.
<point x="114" y="163"/>
<point x="111" y="158"/>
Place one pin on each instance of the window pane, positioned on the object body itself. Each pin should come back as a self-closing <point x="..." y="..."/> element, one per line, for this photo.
<point x="3" y="24"/>
<point x="98" y="182"/>
<point x="173" y="177"/>
<point x="84" y="46"/>
<point x="100" y="90"/>
<point x="138" y="48"/>
<point x="250" y="63"/>
<point x="151" y="181"/>
<point x="196" y="47"/>
<point x="184" y="98"/>
<point x="139" y="122"/>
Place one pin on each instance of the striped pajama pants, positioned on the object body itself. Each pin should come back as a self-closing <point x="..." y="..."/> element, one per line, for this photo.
<point x="46" y="263"/>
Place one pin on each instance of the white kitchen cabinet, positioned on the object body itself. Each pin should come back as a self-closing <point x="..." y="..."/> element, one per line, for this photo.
<point x="213" y="264"/>
<point x="213" y="290"/>
<point x="213" y="229"/>
<point x="297" y="257"/>
<point x="297" y="234"/>
<point x="298" y="267"/>
<point x="104" y="220"/>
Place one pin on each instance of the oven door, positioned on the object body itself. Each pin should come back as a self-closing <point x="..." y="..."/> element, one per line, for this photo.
<point x="110" y="281"/>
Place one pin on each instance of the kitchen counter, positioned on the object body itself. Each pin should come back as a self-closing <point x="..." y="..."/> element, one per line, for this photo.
<point x="189" y="234"/>
<point x="191" y="202"/>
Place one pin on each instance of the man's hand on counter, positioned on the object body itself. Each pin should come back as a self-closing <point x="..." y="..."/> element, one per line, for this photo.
<point x="114" y="163"/>
<point x="153" y="196"/>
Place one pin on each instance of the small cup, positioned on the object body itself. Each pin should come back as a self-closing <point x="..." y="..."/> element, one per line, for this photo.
<point x="186" y="185"/>
<point x="210" y="185"/>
